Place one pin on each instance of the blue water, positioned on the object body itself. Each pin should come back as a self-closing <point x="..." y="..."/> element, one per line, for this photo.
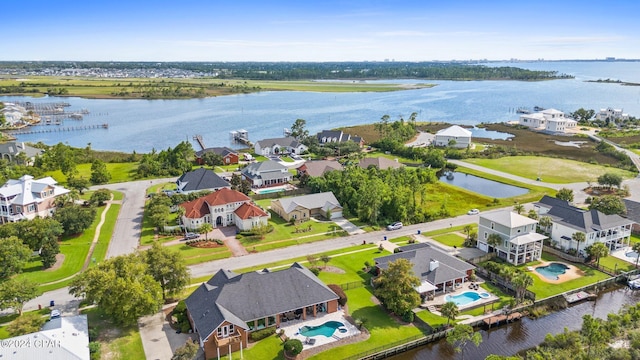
<point x="632" y="254"/>
<point x="327" y="329"/>
<point x="552" y="271"/>
<point x="142" y="125"/>
<point x="482" y="186"/>
<point x="465" y="298"/>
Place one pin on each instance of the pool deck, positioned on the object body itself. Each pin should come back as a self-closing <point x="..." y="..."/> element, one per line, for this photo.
<point x="622" y="254"/>
<point x="292" y="329"/>
<point x="440" y="299"/>
<point x="571" y="273"/>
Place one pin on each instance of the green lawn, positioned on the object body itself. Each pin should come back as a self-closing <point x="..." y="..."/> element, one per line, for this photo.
<point x="404" y="160"/>
<point x="352" y="264"/>
<point x="552" y="170"/>
<point x="193" y="255"/>
<point x="75" y="250"/>
<point x="613" y="262"/>
<point x="116" y="342"/>
<point x="100" y="250"/>
<point x="432" y="319"/>
<point x="120" y="172"/>
<point x="450" y="239"/>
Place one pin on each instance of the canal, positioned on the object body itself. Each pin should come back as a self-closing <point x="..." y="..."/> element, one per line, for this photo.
<point x="527" y="333"/>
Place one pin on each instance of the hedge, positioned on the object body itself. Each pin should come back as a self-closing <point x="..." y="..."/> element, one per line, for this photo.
<point x="338" y="290"/>
<point x="261" y="334"/>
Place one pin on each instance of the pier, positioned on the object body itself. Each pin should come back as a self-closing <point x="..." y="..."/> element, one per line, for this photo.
<point x="241" y="136"/>
<point x="198" y="139"/>
<point x="579" y="296"/>
<point x="41" y="130"/>
<point x="498" y="319"/>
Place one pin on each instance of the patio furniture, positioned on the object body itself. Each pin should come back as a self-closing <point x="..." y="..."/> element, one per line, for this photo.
<point x="310" y="341"/>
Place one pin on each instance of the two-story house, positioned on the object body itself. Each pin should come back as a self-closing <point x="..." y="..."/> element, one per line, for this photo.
<point x="454" y="136"/>
<point x="519" y="242"/>
<point x="266" y="173"/>
<point x="337" y="136"/>
<point x="223" y="207"/>
<point x="26" y="198"/>
<point x="612" y="230"/>
<point x="229" y="156"/>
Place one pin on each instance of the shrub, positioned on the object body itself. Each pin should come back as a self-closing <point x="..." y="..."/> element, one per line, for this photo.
<point x="219" y="242"/>
<point x="408" y="316"/>
<point x="338" y="290"/>
<point x="315" y="271"/>
<point x="261" y="334"/>
<point x="94" y="350"/>
<point x="293" y="346"/>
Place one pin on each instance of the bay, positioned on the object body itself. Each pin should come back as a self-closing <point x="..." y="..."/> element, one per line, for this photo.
<point x="143" y="125"/>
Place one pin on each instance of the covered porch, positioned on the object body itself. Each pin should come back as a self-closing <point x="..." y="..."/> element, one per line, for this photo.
<point x="525" y="248"/>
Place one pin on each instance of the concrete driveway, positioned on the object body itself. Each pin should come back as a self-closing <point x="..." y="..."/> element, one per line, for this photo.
<point x="159" y="340"/>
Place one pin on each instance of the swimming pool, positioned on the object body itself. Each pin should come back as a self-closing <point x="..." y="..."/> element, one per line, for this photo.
<point x="552" y="271"/>
<point x="632" y="254"/>
<point x="268" y="191"/>
<point x="466" y="297"/>
<point x="327" y="329"/>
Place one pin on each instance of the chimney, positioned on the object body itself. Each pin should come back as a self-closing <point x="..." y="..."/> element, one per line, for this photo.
<point x="433" y="264"/>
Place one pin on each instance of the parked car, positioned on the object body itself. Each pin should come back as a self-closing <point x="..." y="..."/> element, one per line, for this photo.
<point x="395" y="226"/>
<point x="55" y="314"/>
<point x="191" y="236"/>
<point x="473" y="212"/>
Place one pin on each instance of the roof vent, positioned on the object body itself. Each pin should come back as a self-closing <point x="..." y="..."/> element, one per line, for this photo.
<point x="433" y="264"/>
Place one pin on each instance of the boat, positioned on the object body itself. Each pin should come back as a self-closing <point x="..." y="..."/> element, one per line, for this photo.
<point x="538" y="108"/>
<point x="634" y="284"/>
<point x="522" y="110"/>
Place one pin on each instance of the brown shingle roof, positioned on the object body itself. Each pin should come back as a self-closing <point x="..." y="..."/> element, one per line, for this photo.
<point x="199" y="207"/>
<point x="248" y="210"/>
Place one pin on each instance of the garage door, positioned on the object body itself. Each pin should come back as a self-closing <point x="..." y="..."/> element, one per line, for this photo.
<point x="336" y="214"/>
<point x="483" y="246"/>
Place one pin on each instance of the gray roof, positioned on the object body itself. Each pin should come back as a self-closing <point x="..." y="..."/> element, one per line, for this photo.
<point x="583" y="220"/>
<point x="260" y="168"/>
<point x="338" y="135"/>
<point x="285" y="142"/>
<point x="222" y="151"/>
<point x="381" y="163"/>
<point x="449" y="268"/>
<point x="238" y="298"/>
<point x="325" y="201"/>
<point x="200" y="179"/>
<point x="319" y="167"/>
<point x="13" y="148"/>
<point x="633" y="210"/>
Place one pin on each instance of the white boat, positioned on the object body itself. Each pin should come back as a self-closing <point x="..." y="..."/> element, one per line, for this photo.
<point x="634" y="284"/>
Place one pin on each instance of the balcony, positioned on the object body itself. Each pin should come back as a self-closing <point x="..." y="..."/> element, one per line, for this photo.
<point x="236" y="337"/>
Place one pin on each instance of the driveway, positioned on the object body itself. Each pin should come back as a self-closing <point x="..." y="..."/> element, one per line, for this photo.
<point x="348" y="226"/>
<point x="159" y="340"/>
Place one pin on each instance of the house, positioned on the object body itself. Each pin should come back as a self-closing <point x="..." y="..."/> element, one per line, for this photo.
<point x="226" y="309"/>
<point x="453" y="136"/>
<point x="266" y="173"/>
<point x="229" y="156"/>
<point x="26" y="198"/>
<point x="301" y="208"/>
<point x="611" y="114"/>
<point x="60" y="338"/>
<point x="319" y="167"/>
<point x="10" y="150"/>
<point x="612" y="230"/>
<point x="381" y="163"/>
<point x="286" y="145"/>
<point x="520" y="242"/>
<point x="337" y="136"/>
<point x="200" y="180"/>
<point x="437" y="270"/>
<point x="633" y="214"/>
<point x="551" y="120"/>
<point x="223" y="207"/>
<point x="533" y="121"/>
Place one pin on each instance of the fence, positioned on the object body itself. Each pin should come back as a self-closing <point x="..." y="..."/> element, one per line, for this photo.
<point x="482" y="258"/>
<point x="563" y="255"/>
<point x="352" y="285"/>
<point x="398" y="347"/>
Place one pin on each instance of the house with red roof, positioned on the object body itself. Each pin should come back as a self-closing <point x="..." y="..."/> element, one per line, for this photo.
<point x="224" y="207"/>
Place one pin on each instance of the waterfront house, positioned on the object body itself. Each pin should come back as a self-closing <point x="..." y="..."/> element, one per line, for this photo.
<point x="337" y="136"/>
<point x="301" y="208"/>
<point x="224" y="207"/>
<point x="26" y="198"/>
<point x="266" y="173"/>
<point x="65" y="337"/>
<point x="277" y="146"/>
<point x="453" y="136"/>
<point x="611" y="114"/>
<point x="229" y="156"/>
<point x="319" y="167"/>
<point x="437" y="270"/>
<point x="381" y="163"/>
<point x="633" y="214"/>
<point x="224" y="310"/>
<point x="551" y="120"/>
<point x="520" y="243"/>
<point x="612" y="230"/>
<point x="11" y="149"/>
<point x="200" y="180"/>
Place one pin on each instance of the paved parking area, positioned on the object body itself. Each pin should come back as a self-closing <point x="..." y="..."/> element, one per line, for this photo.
<point x="159" y="340"/>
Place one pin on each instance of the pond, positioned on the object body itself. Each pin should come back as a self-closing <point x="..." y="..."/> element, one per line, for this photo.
<point x="477" y="132"/>
<point x="481" y="185"/>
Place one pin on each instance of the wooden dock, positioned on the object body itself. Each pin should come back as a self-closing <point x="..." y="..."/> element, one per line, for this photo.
<point x="57" y="129"/>
<point x="198" y="139"/>
<point x="502" y="319"/>
<point x="579" y="296"/>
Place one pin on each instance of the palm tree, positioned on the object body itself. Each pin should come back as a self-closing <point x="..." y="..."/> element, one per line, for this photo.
<point x="636" y="248"/>
<point x="467" y="230"/>
<point x="494" y="240"/>
<point x="521" y="282"/>
<point x="206" y="228"/>
<point x="598" y="250"/>
<point x="450" y="311"/>
<point x="545" y="222"/>
<point x="578" y="237"/>
<point x="519" y="208"/>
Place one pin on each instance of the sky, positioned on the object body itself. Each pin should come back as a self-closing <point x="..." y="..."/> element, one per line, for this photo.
<point x="327" y="30"/>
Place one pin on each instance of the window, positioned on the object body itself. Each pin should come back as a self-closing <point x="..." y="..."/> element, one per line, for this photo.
<point x="486" y="235"/>
<point x="493" y="226"/>
<point x="18" y="209"/>
<point x="31" y="208"/>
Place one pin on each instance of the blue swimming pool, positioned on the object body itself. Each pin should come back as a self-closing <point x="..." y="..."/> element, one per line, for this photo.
<point x="552" y="271"/>
<point x="327" y="329"/>
<point x="466" y="298"/>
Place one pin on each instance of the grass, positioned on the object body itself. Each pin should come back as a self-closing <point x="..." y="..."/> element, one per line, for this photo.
<point x="353" y="266"/>
<point x="613" y="262"/>
<point x="116" y="342"/>
<point x="544" y="289"/>
<point x="432" y="319"/>
<point x="193" y="255"/>
<point x="450" y="240"/>
<point x="120" y="172"/>
<point x="100" y="250"/>
<point x="552" y="170"/>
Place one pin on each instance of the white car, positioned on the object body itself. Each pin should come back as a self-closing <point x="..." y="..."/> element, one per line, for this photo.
<point x="191" y="236"/>
<point x="55" y="314"/>
<point x="473" y="212"/>
<point x="395" y="226"/>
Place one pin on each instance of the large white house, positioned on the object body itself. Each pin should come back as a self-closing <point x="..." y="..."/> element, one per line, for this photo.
<point x="276" y="146"/>
<point x="612" y="114"/>
<point x="454" y="136"/>
<point x="26" y="198"/>
<point x="266" y="173"/>
<point x="549" y="119"/>
<point x="223" y="207"/>
<point x="520" y="243"/>
<point x="612" y="230"/>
